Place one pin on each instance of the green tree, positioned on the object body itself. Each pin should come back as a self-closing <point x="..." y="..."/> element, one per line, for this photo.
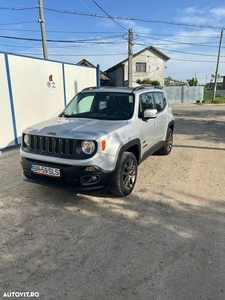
<point x="167" y="80"/>
<point x="219" y="77"/>
<point x="219" y="84"/>
<point x="193" y="81"/>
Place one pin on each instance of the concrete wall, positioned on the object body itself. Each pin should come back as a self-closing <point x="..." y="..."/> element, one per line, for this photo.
<point x="220" y="92"/>
<point x="28" y="96"/>
<point x="184" y="93"/>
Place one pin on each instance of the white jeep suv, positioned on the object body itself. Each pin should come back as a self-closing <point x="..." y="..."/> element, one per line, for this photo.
<point x="99" y="139"/>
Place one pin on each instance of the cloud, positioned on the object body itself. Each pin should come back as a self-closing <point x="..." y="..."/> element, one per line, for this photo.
<point x="195" y="37"/>
<point x="218" y="12"/>
<point x="204" y="16"/>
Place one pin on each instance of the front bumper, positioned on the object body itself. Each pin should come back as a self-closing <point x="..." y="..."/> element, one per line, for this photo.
<point x="76" y="178"/>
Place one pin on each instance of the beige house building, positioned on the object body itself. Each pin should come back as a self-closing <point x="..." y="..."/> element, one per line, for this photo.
<point x="148" y="63"/>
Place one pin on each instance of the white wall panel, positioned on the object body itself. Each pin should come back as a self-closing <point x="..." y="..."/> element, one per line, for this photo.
<point x="77" y="78"/>
<point x="33" y="100"/>
<point x="6" y="125"/>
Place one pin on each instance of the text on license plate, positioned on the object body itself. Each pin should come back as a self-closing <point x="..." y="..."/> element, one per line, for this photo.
<point x="46" y="171"/>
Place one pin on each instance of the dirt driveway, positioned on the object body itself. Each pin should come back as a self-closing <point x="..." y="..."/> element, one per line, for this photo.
<point x="165" y="241"/>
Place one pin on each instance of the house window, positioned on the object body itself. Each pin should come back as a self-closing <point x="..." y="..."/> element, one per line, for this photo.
<point x="141" y="67"/>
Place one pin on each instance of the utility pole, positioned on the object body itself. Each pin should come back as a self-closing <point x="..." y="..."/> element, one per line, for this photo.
<point x="43" y="34"/>
<point x="217" y="66"/>
<point x="130" y="57"/>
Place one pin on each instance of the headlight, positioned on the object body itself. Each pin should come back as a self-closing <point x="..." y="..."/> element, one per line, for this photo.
<point x="26" y="139"/>
<point x="88" y="147"/>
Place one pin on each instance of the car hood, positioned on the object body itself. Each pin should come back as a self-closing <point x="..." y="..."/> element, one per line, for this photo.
<point x="75" y="128"/>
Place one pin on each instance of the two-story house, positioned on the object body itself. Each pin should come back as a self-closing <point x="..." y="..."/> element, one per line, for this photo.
<point x="148" y="63"/>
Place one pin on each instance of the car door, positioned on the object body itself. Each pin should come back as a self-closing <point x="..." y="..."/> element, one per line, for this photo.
<point x="160" y="105"/>
<point x="148" y="128"/>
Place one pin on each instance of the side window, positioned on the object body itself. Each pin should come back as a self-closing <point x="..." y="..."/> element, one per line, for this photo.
<point x="146" y="102"/>
<point x="160" y="101"/>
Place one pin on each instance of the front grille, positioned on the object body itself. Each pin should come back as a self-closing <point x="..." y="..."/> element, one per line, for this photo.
<point x="51" y="146"/>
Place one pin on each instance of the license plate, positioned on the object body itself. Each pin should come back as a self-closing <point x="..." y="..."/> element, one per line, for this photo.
<point x="46" y="171"/>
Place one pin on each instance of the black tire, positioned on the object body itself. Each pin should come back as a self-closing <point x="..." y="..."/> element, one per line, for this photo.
<point x="125" y="175"/>
<point x="166" y="149"/>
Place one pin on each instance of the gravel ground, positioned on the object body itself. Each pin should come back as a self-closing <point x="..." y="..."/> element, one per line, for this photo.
<point x="165" y="241"/>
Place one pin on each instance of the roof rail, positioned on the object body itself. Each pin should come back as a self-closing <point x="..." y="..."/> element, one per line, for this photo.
<point x="98" y="87"/>
<point x="90" y="88"/>
<point x="138" y="88"/>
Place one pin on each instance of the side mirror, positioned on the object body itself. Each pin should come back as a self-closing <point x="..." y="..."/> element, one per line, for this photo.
<point x="150" y="113"/>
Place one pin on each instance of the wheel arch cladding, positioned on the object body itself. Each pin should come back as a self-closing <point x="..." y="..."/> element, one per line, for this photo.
<point x="171" y="125"/>
<point x="133" y="147"/>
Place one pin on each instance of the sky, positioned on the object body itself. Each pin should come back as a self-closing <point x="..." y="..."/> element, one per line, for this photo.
<point x="189" y="32"/>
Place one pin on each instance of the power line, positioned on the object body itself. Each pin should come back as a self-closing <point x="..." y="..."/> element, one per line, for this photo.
<point x="180" y="35"/>
<point x="111" y="18"/>
<point x="83" y="54"/>
<point x="88" y="32"/>
<point x="147" y="37"/>
<point x="99" y="41"/>
<point x="32" y="47"/>
<point x="60" y="31"/>
<point x="189" y="53"/>
<point x="171" y="50"/>
<point x="94" y="41"/>
<point x="17" y="23"/>
<point x="200" y="61"/>
<point x="115" y="54"/>
<point x="20" y="46"/>
<point x="129" y="19"/>
<point x="192" y="53"/>
<point x="206" y="44"/>
<point x="98" y="18"/>
<point x="18" y="8"/>
<point x="183" y="43"/>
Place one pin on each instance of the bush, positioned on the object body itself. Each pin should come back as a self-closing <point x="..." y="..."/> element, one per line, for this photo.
<point x="148" y="81"/>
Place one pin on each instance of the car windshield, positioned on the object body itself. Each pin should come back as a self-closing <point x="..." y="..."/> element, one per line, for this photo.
<point x="100" y="105"/>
